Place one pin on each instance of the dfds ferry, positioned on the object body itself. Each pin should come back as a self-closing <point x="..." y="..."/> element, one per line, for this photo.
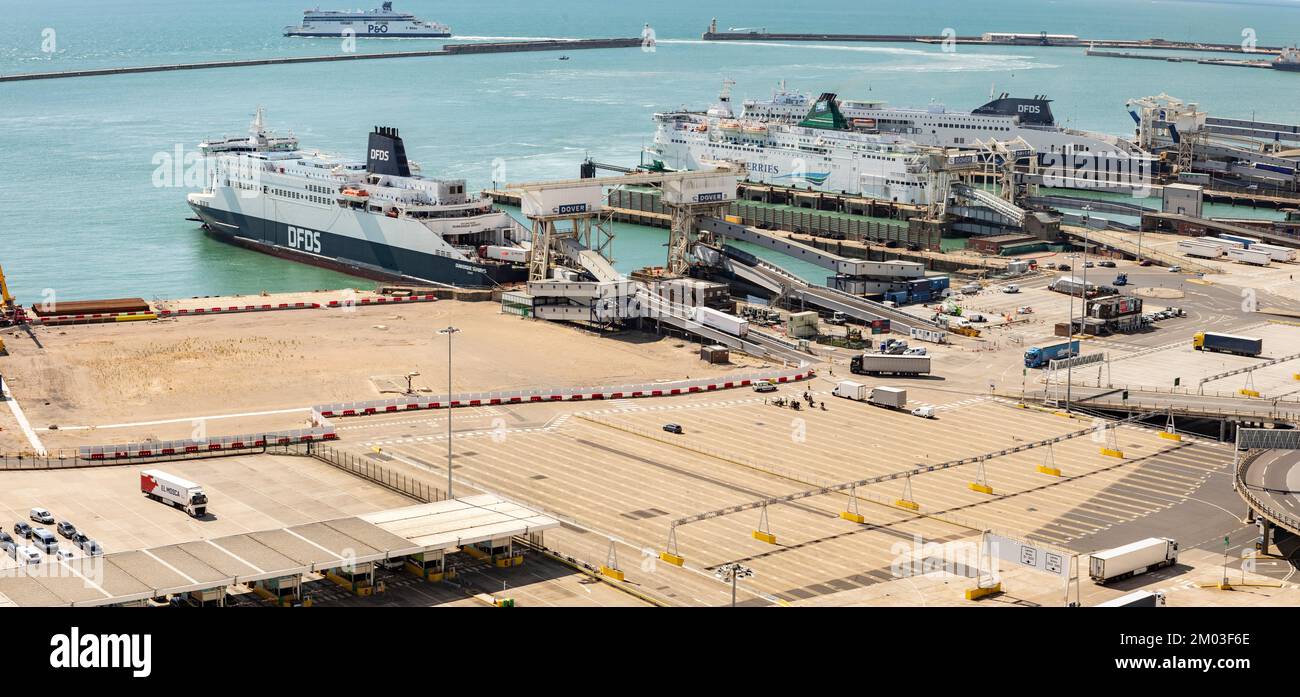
<point x="374" y="219"/>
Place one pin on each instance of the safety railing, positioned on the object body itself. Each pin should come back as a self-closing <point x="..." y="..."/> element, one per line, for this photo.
<point x="1277" y="515"/>
<point x="365" y="467"/>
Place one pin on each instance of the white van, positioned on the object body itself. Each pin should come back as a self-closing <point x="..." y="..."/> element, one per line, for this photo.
<point x="45" y="541"/>
<point x="27" y="554"/>
<point x="41" y="515"/>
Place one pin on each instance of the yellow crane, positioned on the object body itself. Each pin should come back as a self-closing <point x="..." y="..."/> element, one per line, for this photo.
<point x="8" y="310"/>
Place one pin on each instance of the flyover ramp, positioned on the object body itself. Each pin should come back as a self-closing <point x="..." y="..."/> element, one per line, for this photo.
<point x="1269" y="480"/>
<point x="1210" y="406"/>
<point x="777" y="280"/>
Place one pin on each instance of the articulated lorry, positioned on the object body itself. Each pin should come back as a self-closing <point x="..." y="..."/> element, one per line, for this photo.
<point x="880" y="364"/>
<point x="180" y="493"/>
<point x="1136" y="599"/>
<point x="1039" y="356"/>
<point x="1227" y="343"/>
<point x="1132" y="559"/>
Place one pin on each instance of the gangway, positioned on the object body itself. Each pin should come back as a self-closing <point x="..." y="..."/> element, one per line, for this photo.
<point x="782" y="282"/>
<point x="833" y="262"/>
<point x="1013" y="213"/>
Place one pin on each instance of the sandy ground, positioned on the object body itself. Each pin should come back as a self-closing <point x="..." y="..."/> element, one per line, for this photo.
<point x="182" y="369"/>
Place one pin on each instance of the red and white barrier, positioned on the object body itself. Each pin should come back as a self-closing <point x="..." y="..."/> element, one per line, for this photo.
<point x="201" y="311"/>
<point x="383" y="300"/>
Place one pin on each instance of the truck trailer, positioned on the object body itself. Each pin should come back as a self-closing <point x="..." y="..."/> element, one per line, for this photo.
<point x="716" y="319"/>
<point x="1039" y="356"/>
<point x="1193" y="248"/>
<point x="1275" y="252"/>
<point x="849" y="389"/>
<point x="180" y="493"/>
<point x="888" y="397"/>
<point x="883" y="364"/>
<point x="1227" y="343"/>
<point x="1258" y="257"/>
<point x="1132" y="559"/>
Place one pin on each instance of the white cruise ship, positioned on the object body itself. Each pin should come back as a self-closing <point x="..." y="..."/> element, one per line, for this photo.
<point x="381" y="23"/>
<point x="1081" y="158"/>
<point x="819" y="152"/>
<point x="371" y="218"/>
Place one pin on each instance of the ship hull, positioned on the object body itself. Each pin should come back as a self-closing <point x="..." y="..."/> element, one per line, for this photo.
<point x="359" y="35"/>
<point x="358" y="257"/>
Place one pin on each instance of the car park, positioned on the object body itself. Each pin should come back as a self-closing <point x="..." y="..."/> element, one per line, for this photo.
<point x="673" y="428"/>
<point x="41" y="515"/>
<point x="66" y="529"/>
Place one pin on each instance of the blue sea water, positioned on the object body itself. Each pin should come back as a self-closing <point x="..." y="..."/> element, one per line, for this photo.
<point x="86" y="208"/>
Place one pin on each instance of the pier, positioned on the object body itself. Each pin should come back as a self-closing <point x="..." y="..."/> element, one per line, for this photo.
<point x="446" y="50"/>
<point x="1227" y="62"/>
<point x="986" y="39"/>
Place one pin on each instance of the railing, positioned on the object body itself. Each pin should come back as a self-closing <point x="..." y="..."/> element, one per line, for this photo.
<point x="366" y="468"/>
<point x="1286" y="520"/>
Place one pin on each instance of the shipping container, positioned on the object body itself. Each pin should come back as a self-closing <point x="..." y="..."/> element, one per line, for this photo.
<point x="1193" y="248"/>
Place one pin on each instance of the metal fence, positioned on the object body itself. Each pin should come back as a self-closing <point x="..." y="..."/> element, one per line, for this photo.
<point x="69" y="459"/>
<point x="1282" y="518"/>
<point x="366" y="468"/>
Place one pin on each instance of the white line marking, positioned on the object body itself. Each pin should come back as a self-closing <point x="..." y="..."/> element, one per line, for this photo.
<point x="21" y="419"/>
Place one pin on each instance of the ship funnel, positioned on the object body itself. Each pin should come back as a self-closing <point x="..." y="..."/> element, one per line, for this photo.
<point x="387" y="154"/>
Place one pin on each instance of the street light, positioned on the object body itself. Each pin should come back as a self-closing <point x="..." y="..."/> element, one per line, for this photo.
<point x="448" y="331"/>
<point x="732" y="572"/>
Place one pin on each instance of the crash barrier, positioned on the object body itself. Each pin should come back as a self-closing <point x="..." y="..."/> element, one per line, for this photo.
<point x="560" y="394"/>
<point x="237" y="308"/>
<point x="383" y="300"/>
<point x="321" y="430"/>
<point x="54" y="320"/>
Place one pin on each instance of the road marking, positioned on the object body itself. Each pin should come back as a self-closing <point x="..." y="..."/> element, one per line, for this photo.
<point x="191" y="419"/>
<point x="21" y="419"/>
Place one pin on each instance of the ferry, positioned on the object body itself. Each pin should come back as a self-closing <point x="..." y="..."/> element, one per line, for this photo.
<point x="1288" y="59"/>
<point x="375" y="218"/>
<point x="1083" y="158"/>
<point x="821" y="151"/>
<point x="370" y="24"/>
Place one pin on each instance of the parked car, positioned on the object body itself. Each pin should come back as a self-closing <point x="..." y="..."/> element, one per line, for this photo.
<point x="764" y="386"/>
<point x="92" y="548"/>
<point x="45" y="540"/>
<point x="78" y="538"/>
<point x="6" y="541"/>
<point x="64" y="554"/>
<point x="1087" y="264"/>
<point x="673" y="428"/>
<point x="23" y="530"/>
<point x="42" y="515"/>
<point x="1011" y="288"/>
<point x="1107" y="264"/>
<point x="1063" y="267"/>
<point x="66" y="529"/>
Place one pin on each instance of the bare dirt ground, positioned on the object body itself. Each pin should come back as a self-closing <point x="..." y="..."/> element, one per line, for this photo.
<point x="177" y="370"/>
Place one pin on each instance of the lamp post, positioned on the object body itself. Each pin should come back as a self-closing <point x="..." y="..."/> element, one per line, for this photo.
<point x="732" y="572"/>
<point x="448" y="331"/>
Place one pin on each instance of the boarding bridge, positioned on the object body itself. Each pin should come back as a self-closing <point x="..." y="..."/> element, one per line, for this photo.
<point x="848" y="266"/>
<point x="595" y="264"/>
<point x="1013" y="213"/>
<point x="780" y="282"/>
<point x="1249" y="128"/>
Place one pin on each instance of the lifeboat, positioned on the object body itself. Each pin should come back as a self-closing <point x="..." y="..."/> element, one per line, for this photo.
<point x="755" y="128"/>
<point x="730" y="126"/>
<point x="352" y="193"/>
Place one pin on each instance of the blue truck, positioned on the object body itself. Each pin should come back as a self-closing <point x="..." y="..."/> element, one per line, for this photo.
<point x="1039" y="356"/>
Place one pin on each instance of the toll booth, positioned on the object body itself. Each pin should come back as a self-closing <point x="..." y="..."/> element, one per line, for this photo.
<point x="285" y="591"/>
<point x="500" y="551"/>
<point x="357" y="577"/>
<point x="430" y="566"/>
<point x="208" y="597"/>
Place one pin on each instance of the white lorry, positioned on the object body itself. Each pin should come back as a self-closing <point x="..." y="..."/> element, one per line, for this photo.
<point x="888" y="397"/>
<point x="1132" y="559"/>
<point x="168" y="488"/>
<point x="849" y="389"/>
<point x="716" y="319"/>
